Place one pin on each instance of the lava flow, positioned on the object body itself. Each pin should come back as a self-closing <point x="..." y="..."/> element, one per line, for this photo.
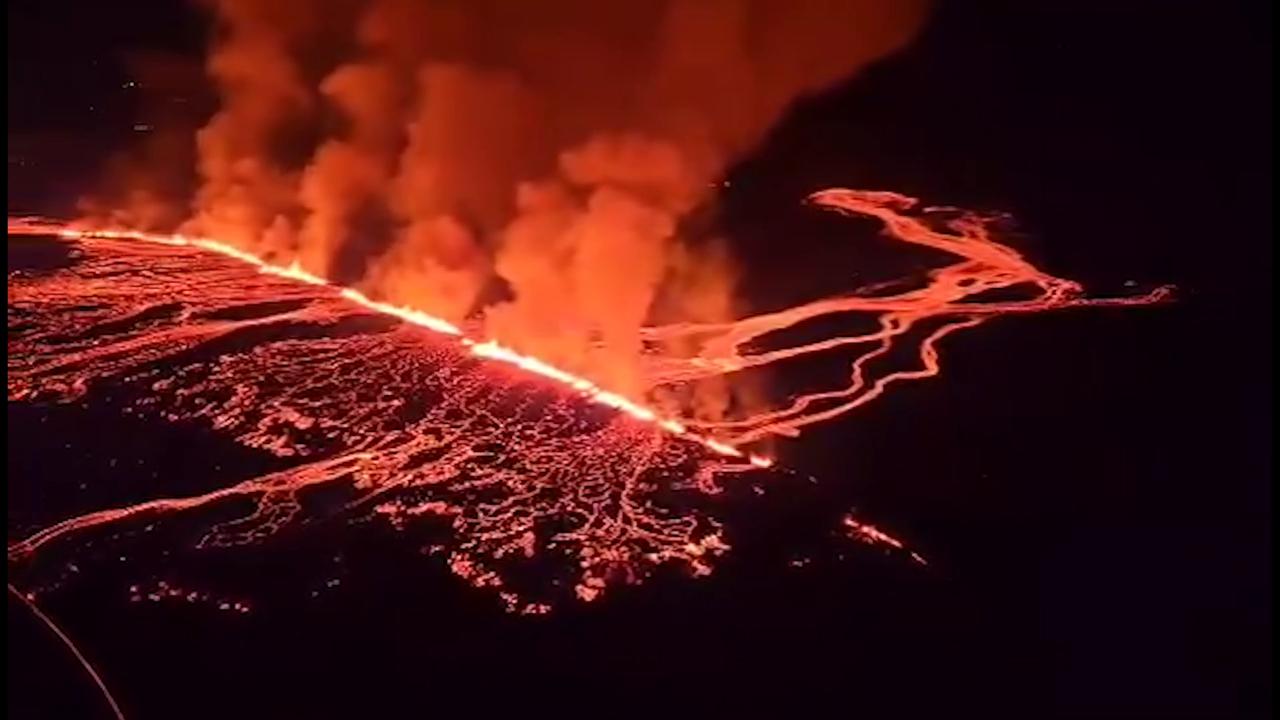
<point x="951" y="295"/>
<point x="353" y="392"/>
<point x="413" y="427"/>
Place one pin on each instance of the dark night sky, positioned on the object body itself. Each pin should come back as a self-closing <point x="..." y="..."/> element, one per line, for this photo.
<point x="68" y="60"/>
<point x="1099" y="482"/>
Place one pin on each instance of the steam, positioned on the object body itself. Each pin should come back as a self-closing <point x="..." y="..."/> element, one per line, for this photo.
<point x="524" y="165"/>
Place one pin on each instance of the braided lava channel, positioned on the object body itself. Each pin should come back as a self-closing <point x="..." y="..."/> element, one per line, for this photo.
<point x="519" y="458"/>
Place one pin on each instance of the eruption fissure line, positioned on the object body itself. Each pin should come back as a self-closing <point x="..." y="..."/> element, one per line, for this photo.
<point x="952" y="294"/>
<point x="488" y="349"/>
<point x="206" y="329"/>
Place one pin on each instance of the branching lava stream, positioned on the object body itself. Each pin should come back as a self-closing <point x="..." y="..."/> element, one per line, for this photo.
<point x="522" y="459"/>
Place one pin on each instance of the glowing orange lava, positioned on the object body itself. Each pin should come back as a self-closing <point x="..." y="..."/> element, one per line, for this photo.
<point x="951" y="295"/>
<point x="412" y="427"/>
<point x="351" y="390"/>
<point x="872" y="535"/>
<point x="487" y="349"/>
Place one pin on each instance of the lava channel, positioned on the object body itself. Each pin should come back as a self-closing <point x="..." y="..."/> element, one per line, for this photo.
<point x="520" y="459"/>
<point x="412" y="423"/>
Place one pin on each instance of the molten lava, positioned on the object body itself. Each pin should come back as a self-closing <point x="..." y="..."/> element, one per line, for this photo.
<point x="350" y="389"/>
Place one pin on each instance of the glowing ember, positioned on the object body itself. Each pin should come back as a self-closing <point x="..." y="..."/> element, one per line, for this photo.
<point x="487" y="349"/>
<point x="872" y="535"/>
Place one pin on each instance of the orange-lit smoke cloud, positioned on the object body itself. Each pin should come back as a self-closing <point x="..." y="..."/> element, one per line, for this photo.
<point x="524" y="164"/>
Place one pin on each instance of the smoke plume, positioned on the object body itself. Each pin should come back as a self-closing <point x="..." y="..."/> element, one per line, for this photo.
<point x="524" y="165"/>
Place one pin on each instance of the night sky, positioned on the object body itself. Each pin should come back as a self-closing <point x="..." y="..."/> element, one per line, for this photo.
<point x="1096" y="485"/>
